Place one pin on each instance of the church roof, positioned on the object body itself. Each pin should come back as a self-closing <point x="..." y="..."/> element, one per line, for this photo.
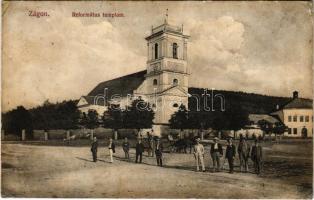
<point x="121" y="86"/>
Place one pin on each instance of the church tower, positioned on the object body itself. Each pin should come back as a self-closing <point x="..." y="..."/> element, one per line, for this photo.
<point x="167" y="70"/>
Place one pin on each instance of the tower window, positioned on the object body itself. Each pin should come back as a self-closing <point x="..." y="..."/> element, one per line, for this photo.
<point x="156" y="51"/>
<point x="175" y="105"/>
<point x="175" y="50"/>
<point x="155" y="82"/>
<point x="175" y="81"/>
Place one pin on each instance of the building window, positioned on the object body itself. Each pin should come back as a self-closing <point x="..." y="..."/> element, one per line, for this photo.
<point x="289" y="118"/>
<point x="175" y="50"/>
<point x="289" y="131"/>
<point x="175" y="81"/>
<point x="155" y="82"/>
<point x="156" y="51"/>
<point x="301" y="118"/>
<point x="295" y="118"/>
<point x="307" y="118"/>
<point x="295" y="131"/>
<point x="175" y="105"/>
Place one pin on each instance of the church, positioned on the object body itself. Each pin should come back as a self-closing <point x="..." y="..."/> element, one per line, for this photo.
<point x="164" y="83"/>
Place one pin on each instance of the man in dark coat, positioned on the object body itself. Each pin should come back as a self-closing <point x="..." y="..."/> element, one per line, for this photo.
<point x="126" y="148"/>
<point x="158" y="152"/>
<point x="216" y="152"/>
<point x="230" y="154"/>
<point x="94" y="149"/>
<point x="257" y="156"/>
<point x="139" y="150"/>
<point x="244" y="154"/>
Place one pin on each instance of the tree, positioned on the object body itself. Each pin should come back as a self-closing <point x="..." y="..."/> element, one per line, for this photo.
<point x="279" y="129"/>
<point x="266" y="127"/>
<point x="113" y="118"/>
<point x="237" y="118"/>
<point x="92" y="119"/>
<point x="180" y="119"/>
<point x="233" y="118"/>
<point x="139" y="115"/>
<point x="64" y="115"/>
<point x="16" y="120"/>
<point x="68" y="115"/>
<point x="89" y="120"/>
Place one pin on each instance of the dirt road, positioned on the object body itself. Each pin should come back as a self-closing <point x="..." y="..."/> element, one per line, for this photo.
<point x="48" y="171"/>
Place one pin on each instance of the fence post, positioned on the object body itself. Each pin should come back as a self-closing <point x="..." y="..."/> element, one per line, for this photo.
<point x="45" y="135"/>
<point x="115" y="135"/>
<point x="202" y="135"/>
<point x="23" y="134"/>
<point x="68" y="134"/>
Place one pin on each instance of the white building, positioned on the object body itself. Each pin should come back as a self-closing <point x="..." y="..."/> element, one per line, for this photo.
<point x="298" y="116"/>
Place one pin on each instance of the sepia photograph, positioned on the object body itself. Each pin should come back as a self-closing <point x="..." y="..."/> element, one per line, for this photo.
<point x="157" y="99"/>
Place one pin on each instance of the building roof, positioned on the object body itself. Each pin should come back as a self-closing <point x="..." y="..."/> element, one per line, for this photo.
<point x="120" y="86"/>
<point x="257" y="117"/>
<point x="299" y="103"/>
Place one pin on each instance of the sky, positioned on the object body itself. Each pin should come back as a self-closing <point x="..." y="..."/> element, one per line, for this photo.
<point x="258" y="47"/>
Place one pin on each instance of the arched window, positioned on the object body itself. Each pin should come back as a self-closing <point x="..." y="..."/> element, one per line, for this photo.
<point x="175" y="81"/>
<point x="175" y="50"/>
<point x="155" y="82"/>
<point x="156" y="51"/>
<point x="175" y="105"/>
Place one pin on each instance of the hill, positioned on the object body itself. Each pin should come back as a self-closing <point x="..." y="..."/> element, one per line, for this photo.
<point x="252" y="103"/>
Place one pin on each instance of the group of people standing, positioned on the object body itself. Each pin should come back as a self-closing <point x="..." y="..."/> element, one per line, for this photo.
<point x="216" y="151"/>
<point x="155" y="147"/>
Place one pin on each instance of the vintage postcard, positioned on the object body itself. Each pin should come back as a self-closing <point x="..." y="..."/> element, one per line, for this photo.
<point x="143" y="99"/>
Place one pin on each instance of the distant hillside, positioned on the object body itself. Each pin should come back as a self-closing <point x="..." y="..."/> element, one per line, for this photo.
<point x="252" y="103"/>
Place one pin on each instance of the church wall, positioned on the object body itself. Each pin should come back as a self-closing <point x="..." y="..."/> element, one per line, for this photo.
<point x="100" y="109"/>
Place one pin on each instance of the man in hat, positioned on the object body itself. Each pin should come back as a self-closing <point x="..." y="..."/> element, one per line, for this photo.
<point x="94" y="149"/>
<point x="199" y="155"/>
<point x="216" y="152"/>
<point x="139" y="149"/>
<point x="257" y="156"/>
<point x="230" y="154"/>
<point x="158" y="152"/>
